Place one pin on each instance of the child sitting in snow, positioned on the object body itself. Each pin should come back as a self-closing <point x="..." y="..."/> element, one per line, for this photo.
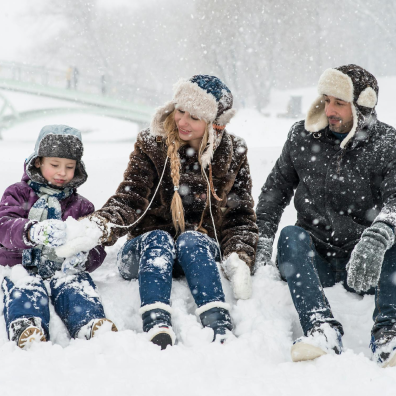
<point x="31" y="227"/>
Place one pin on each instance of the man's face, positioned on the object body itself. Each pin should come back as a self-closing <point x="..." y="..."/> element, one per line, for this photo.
<point x="339" y="114"/>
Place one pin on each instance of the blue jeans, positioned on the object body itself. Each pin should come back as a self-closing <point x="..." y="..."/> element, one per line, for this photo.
<point x="152" y="257"/>
<point x="74" y="298"/>
<point x="307" y="273"/>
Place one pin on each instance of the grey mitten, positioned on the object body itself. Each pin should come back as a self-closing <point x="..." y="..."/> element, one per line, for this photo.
<point x="364" y="266"/>
<point x="263" y="252"/>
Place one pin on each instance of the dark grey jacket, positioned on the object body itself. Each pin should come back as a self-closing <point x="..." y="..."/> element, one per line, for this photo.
<point x="338" y="192"/>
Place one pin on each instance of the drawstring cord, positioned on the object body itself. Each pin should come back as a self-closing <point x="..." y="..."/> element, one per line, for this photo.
<point x="210" y="211"/>
<point x="148" y="207"/>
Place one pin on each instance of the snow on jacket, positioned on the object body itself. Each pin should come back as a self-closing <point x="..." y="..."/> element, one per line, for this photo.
<point x="338" y="192"/>
<point x="234" y="217"/>
<point x="15" y="205"/>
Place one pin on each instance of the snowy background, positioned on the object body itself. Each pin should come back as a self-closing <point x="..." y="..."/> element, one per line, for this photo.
<point x="282" y="60"/>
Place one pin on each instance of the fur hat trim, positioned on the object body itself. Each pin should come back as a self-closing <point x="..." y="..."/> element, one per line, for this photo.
<point x="335" y="83"/>
<point x="190" y="97"/>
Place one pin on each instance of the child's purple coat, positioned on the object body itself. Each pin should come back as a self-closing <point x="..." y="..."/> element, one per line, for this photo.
<point x="14" y="223"/>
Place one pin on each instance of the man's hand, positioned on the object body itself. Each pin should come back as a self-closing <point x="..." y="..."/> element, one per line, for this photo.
<point x="237" y="271"/>
<point x="364" y="266"/>
<point x="48" y="233"/>
<point x="263" y="252"/>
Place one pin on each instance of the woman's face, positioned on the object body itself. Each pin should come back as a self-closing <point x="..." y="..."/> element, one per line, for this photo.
<point x="190" y="129"/>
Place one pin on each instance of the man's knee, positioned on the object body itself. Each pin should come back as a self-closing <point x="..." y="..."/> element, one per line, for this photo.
<point x="293" y="234"/>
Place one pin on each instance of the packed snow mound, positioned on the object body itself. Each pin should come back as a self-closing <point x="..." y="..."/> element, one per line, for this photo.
<point x="81" y="236"/>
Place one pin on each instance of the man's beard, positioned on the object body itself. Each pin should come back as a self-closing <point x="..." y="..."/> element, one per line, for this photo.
<point x="340" y="127"/>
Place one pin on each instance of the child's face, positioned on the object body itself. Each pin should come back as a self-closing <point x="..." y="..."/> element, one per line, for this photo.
<point x="57" y="171"/>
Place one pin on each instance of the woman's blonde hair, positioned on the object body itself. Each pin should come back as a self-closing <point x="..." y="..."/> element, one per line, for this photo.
<point x="174" y="143"/>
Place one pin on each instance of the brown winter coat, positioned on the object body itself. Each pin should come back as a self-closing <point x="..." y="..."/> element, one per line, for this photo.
<point x="234" y="216"/>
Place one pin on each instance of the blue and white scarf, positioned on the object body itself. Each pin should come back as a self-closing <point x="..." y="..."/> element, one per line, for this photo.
<point x="48" y="206"/>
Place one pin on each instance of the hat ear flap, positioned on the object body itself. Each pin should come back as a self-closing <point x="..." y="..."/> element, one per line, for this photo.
<point x="160" y="115"/>
<point x="367" y="98"/>
<point x="225" y="118"/>
<point x="208" y="154"/>
<point x="316" y="117"/>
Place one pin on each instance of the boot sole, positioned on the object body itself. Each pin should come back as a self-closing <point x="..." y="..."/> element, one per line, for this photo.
<point x="301" y="352"/>
<point x="29" y="335"/>
<point x="162" y="339"/>
<point x="391" y="362"/>
<point x="99" y="324"/>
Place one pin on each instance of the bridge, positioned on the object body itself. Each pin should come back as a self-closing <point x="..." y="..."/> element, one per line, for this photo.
<point x="100" y="96"/>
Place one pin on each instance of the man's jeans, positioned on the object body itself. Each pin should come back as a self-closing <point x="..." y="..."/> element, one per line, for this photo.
<point x="74" y="297"/>
<point x="152" y="257"/>
<point x="307" y="273"/>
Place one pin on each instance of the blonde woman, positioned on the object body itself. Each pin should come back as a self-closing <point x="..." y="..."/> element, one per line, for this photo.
<point x="185" y="203"/>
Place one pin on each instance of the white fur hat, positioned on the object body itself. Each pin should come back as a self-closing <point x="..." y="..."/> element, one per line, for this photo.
<point x="205" y="97"/>
<point x="350" y="83"/>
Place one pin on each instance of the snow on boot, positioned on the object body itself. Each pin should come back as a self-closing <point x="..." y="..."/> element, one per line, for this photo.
<point x="96" y="327"/>
<point x="322" y="339"/>
<point x="157" y="324"/>
<point x="216" y="316"/>
<point x="26" y="331"/>
<point x="383" y="346"/>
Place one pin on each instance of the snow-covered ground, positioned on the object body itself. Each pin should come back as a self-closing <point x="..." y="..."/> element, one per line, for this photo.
<point x="257" y="362"/>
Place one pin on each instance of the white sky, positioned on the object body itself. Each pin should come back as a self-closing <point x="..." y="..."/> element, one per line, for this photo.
<point x="17" y="29"/>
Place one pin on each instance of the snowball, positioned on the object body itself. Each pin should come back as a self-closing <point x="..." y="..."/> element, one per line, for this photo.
<point x="82" y="236"/>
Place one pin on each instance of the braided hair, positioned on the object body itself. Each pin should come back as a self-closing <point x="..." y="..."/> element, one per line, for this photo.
<point x="174" y="144"/>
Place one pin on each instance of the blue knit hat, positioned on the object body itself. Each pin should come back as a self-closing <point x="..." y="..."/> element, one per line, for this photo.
<point x="205" y="97"/>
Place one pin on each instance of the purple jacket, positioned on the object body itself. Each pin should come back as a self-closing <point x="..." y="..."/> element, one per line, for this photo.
<point x="14" y="223"/>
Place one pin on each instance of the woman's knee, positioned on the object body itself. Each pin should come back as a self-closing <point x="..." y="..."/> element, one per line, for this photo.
<point x="157" y="238"/>
<point x="190" y="240"/>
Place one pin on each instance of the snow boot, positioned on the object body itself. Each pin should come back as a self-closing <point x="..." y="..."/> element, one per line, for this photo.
<point x="26" y="331"/>
<point x="157" y="324"/>
<point x="322" y="339"/>
<point x="383" y="346"/>
<point x="218" y="319"/>
<point x="96" y="326"/>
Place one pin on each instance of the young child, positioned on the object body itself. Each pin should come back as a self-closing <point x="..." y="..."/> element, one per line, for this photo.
<point x="31" y="226"/>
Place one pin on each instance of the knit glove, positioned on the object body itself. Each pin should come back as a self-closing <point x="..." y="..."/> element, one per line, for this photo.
<point x="264" y="252"/>
<point x="237" y="271"/>
<point x="75" y="263"/>
<point x="50" y="233"/>
<point x="364" y="266"/>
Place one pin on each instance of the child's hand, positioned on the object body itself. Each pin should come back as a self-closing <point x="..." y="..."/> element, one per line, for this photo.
<point x="48" y="233"/>
<point x="75" y="263"/>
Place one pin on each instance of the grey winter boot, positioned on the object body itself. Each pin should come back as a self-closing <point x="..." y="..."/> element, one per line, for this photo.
<point x="383" y="346"/>
<point x="158" y="325"/>
<point x="322" y="339"/>
<point x="25" y="331"/>
<point x="218" y="319"/>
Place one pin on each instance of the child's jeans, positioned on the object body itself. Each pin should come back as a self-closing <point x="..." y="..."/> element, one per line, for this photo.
<point x="152" y="257"/>
<point x="74" y="297"/>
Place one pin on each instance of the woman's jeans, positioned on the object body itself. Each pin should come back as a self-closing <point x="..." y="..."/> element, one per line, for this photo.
<point x="307" y="273"/>
<point x="152" y="257"/>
